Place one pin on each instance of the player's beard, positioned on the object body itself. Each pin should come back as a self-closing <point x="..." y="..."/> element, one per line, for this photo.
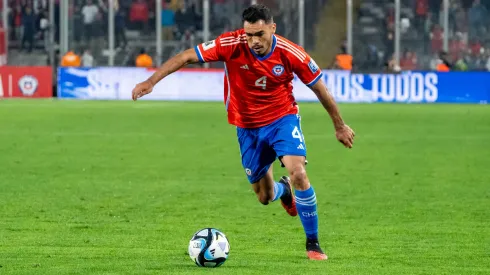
<point x="260" y="51"/>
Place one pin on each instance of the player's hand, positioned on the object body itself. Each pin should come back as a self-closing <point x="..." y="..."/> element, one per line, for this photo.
<point x="142" y="89"/>
<point x="345" y="135"/>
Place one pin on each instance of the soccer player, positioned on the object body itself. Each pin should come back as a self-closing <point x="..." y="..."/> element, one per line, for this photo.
<point x="259" y="67"/>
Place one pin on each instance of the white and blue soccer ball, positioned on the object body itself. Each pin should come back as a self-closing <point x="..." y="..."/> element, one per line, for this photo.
<point x="209" y="247"/>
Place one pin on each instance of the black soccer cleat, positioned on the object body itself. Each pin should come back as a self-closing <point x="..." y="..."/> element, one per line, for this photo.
<point x="314" y="251"/>
<point x="287" y="199"/>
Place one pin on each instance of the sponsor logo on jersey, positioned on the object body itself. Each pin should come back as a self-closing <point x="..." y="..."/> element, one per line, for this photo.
<point x="248" y="171"/>
<point x="245" y="67"/>
<point x="313" y="66"/>
<point x="278" y="70"/>
<point x="28" y="85"/>
<point x="300" y="147"/>
<point x="208" y="45"/>
<point x="308" y="214"/>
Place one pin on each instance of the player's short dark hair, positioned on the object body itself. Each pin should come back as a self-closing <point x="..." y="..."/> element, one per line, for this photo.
<point x="256" y="13"/>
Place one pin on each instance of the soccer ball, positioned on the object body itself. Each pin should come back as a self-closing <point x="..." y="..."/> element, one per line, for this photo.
<point x="209" y="247"/>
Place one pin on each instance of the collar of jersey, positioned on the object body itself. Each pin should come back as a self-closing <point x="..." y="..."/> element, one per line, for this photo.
<point x="262" y="58"/>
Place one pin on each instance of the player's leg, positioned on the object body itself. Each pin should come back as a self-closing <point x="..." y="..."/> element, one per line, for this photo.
<point x="290" y="146"/>
<point x="306" y="204"/>
<point x="257" y="158"/>
<point x="264" y="188"/>
<point x="268" y="190"/>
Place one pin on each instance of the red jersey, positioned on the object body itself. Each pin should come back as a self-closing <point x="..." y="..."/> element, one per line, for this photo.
<point x="259" y="90"/>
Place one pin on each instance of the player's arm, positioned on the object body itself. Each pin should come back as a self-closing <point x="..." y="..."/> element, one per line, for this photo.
<point x="309" y="72"/>
<point x="210" y="51"/>
<point x="343" y="132"/>
<point x="174" y="64"/>
<point x="328" y="102"/>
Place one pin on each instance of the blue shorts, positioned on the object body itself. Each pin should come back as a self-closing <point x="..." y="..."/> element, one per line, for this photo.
<point x="259" y="147"/>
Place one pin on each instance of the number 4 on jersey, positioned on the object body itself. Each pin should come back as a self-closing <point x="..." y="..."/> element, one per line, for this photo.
<point x="297" y="134"/>
<point x="261" y="82"/>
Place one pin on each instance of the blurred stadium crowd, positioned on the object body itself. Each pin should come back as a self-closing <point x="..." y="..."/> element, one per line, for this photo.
<point x="422" y="34"/>
<point x="421" y="27"/>
<point x="134" y="24"/>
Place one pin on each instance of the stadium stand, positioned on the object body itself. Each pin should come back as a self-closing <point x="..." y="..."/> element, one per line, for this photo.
<point x="135" y="26"/>
<point x="373" y="29"/>
<point x="421" y="36"/>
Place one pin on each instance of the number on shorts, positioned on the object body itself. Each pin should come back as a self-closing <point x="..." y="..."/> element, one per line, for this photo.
<point x="297" y="134"/>
<point x="261" y="82"/>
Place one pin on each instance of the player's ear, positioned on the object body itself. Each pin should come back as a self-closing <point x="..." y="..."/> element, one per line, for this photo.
<point x="273" y="27"/>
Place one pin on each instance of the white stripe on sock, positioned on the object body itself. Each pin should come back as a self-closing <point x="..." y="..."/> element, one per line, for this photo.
<point x="306" y="199"/>
<point x="309" y="202"/>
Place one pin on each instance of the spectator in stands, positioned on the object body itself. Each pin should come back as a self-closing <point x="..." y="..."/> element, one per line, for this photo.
<point x="168" y="23"/>
<point x="87" y="59"/>
<point x="408" y="62"/>
<point x="70" y="59"/>
<point x="120" y="28"/>
<point x="188" y="40"/>
<point x="151" y="4"/>
<point x="435" y="9"/>
<point x="185" y="18"/>
<point x="390" y="19"/>
<point x="421" y="12"/>
<point x="436" y="36"/>
<point x="389" y="38"/>
<point x="457" y="18"/>
<point x="89" y="14"/>
<point x="487" y="57"/>
<point x="372" y="57"/>
<point x="457" y="46"/>
<point x="29" y="25"/>
<point x="172" y="4"/>
<point x="144" y="60"/>
<point x="389" y="43"/>
<point x="434" y="61"/>
<point x="343" y="60"/>
<point x="461" y="64"/>
<point x="78" y="24"/>
<point x="44" y="29"/>
<point x="443" y="64"/>
<point x="476" y="48"/>
<point x="391" y="67"/>
<point x="475" y="63"/>
<point x="139" y="15"/>
<point x="103" y="15"/>
<point x="16" y="23"/>
<point x="220" y="8"/>
<point x="477" y="16"/>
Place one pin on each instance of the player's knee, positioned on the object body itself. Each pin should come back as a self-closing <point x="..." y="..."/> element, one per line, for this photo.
<point x="264" y="197"/>
<point x="299" y="178"/>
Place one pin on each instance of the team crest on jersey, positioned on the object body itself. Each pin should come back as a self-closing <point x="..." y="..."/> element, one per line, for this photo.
<point x="248" y="171"/>
<point x="278" y="70"/>
<point x="28" y="85"/>
<point x="208" y="45"/>
<point x="313" y="66"/>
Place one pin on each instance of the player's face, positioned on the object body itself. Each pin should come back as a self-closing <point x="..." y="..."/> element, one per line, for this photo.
<point x="259" y="36"/>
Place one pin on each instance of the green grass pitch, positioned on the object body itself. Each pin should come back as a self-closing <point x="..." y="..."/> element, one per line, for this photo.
<point x="120" y="187"/>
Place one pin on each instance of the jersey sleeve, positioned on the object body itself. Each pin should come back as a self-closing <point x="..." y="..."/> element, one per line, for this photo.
<point x="306" y="69"/>
<point x="219" y="49"/>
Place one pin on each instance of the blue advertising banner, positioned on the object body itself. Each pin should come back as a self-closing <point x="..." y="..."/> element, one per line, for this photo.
<point x="207" y="85"/>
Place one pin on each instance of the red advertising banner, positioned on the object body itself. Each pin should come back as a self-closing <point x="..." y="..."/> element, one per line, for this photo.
<point x="26" y="82"/>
